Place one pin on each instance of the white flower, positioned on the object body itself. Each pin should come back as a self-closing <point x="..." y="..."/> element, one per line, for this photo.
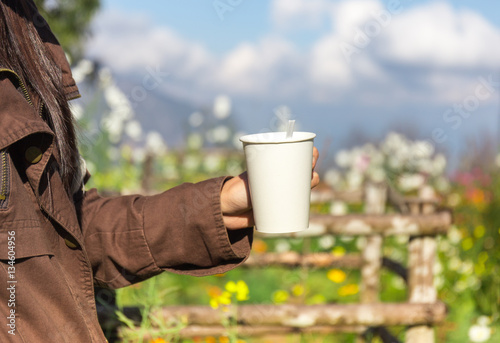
<point x="326" y="242"/>
<point x="479" y="333"/>
<point x="354" y="180"/>
<point x="376" y="174"/>
<point x="343" y="159"/>
<point x="338" y="208"/>
<point x="113" y="127"/>
<point x="395" y="161"/>
<point x="438" y="164"/>
<point x="427" y="193"/>
<point x="133" y="129"/>
<point x="362" y="162"/>
<point x="398" y="283"/>
<point x="282" y="246"/>
<point x="484" y="320"/>
<point x="438" y="281"/>
<point x="422" y="149"/>
<point x="194" y="141"/>
<point x="222" y="107"/>
<point x="467" y="268"/>
<point x="81" y="70"/>
<point x="409" y="182"/>
<point x="454" y="235"/>
<point x="212" y="163"/>
<point x="442" y="184"/>
<point x="393" y="142"/>
<point x="191" y="163"/>
<point x="155" y="143"/>
<point x="219" y="134"/>
<point x="196" y="119"/>
<point x="361" y="242"/>
<point x="332" y="177"/>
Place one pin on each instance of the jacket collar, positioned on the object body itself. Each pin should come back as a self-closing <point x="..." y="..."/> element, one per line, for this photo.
<point x="18" y="115"/>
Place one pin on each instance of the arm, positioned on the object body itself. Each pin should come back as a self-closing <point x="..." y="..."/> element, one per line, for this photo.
<point x="131" y="238"/>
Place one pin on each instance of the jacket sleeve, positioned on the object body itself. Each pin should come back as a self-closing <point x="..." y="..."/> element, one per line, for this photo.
<point x="130" y="238"/>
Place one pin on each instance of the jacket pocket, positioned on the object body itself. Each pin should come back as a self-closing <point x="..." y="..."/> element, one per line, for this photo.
<point x="4" y="180"/>
<point x="23" y="239"/>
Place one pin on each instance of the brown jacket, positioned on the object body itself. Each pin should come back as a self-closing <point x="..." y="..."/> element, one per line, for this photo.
<point x="54" y="249"/>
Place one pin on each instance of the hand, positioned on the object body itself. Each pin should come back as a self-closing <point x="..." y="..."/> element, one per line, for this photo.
<point x="236" y="204"/>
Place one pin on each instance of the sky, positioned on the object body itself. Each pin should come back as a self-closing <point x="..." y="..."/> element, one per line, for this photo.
<point x="346" y="68"/>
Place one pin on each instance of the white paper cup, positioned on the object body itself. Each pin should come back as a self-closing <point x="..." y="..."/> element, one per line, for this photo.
<point x="279" y="175"/>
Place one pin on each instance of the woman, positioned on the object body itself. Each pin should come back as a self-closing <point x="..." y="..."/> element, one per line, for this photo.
<point x="57" y="240"/>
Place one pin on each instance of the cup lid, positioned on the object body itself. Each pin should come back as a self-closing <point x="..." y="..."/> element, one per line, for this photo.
<point x="277" y="137"/>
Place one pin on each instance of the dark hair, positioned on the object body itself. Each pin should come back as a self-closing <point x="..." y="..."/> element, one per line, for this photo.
<point x="23" y="51"/>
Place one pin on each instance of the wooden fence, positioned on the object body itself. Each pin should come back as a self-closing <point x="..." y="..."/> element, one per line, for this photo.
<point x="420" y="220"/>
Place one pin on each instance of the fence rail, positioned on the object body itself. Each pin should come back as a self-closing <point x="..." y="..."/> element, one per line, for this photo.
<point x="420" y="220"/>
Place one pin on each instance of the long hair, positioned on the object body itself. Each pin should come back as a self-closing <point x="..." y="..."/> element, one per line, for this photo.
<point x="23" y="51"/>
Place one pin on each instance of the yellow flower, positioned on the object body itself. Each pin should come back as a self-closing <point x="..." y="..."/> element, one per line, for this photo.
<point x="317" y="299"/>
<point x="241" y="341"/>
<point x="479" y="231"/>
<point x="231" y="287"/>
<point x="347" y="290"/>
<point x="280" y="296"/>
<point x="338" y="251"/>
<point x="217" y="297"/>
<point x="242" y="291"/>
<point x="298" y="290"/>
<point x="225" y="298"/>
<point x="158" y="340"/>
<point x="214" y="304"/>
<point x="239" y="288"/>
<point x="336" y="275"/>
<point x="210" y="340"/>
<point x="224" y="339"/>
<point x="467" y="244"/>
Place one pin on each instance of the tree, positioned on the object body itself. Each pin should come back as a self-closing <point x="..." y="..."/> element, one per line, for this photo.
<point x="69" y="20"/>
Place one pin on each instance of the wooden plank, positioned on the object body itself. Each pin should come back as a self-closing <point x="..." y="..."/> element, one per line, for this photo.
<point x="370" y="224"/>
<point x="303" y="316"/>
<point x="293" y="259"/>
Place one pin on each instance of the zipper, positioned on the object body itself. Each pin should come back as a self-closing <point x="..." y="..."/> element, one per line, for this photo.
<point x="4" y="162"/>
<point x="4" y="181"/>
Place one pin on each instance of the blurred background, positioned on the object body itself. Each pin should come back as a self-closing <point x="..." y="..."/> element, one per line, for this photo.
<point x="404" y="92"/>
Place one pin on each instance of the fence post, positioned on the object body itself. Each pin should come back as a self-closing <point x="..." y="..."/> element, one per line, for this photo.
<point x="422" y="255"/>
<point x="375" y="201"/>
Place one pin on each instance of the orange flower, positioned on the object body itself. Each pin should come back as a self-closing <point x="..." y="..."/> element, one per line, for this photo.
<point x="224" y="339"/>
<point x="214" y="291"/>
<point x="347" y="290"/>
<point x="476" y="196"/>
<point x="259" y="246"/>
<point x="158" y="340"/>
<point x="210" y="340"/>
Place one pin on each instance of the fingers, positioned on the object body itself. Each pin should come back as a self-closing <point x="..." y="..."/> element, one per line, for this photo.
<point x="315" y="156"/>
<point x="240" y="221"/>
<point x="314" y="180"/>
<point x="315" y="176"/>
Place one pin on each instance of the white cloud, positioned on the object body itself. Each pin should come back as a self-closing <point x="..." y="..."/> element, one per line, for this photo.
<point x="439" y="36"/>
<point x="299" y="13"/>
<point x="427" y="52"/>
<point x="262" y="68"/>
<point x="128" y="42"/>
